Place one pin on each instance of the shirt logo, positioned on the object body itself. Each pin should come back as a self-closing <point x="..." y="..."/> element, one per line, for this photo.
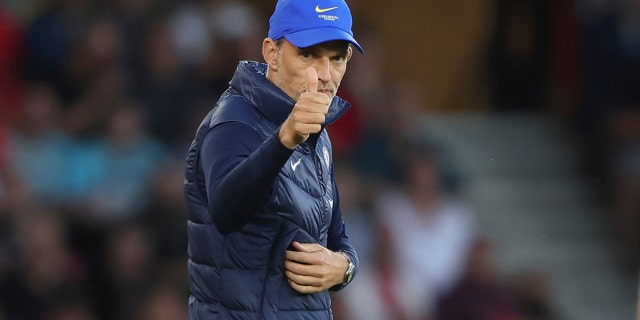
<point x="318" y="10"/>
<point x="294" y="165"/>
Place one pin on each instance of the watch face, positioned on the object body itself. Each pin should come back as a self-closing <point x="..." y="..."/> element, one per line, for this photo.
<point x="349" y="276"/>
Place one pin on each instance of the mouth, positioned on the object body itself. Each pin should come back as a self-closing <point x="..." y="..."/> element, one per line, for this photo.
<point x="328" y="92"/>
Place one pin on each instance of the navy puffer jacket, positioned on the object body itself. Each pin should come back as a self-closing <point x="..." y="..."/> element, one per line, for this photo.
<point x="236" y="268"/>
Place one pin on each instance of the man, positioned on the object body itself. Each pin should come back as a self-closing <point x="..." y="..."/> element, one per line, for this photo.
<point x="266" y="235"/>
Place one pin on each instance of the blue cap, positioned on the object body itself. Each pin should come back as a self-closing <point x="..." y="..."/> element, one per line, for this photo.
<point x="305" y="23"/>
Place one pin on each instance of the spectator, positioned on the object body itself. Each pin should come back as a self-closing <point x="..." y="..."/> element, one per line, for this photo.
<point x="37" y="154"/>
<point x="47" y="267"/>
<point x="533" y="295"/>
<point x="479" y="295"/>
<point x="518" y="56"/>
<point x="432" y="232"/>
<point x="191" y="32"/>
<point x="355" y="200"/>
<point x="383" y="290"/>
<point x="3" y="165"/>
<point x="130" y="160"/>
<point x="98" y="52"/>
<point x="73" y="307"/>
<point x="50" y="39"/>
<point x="129" y="274"/>
<point x="165" y="210"/>
<point x="11" y="50"/>
<point x="133" y="18"/>
<point x="166" y="90"/>
<point x="610" y="113"/>
<point x="162" y="303"/>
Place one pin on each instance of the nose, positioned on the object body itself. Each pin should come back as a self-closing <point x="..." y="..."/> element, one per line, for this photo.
<point x="323" y="68"/>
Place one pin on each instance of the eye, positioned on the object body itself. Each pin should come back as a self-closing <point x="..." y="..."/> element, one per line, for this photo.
<point x="339" y="58"/>
<point x="306" y="54"/>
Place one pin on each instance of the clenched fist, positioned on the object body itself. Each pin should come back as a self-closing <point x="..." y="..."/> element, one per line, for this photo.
<point x="308" y="114"/>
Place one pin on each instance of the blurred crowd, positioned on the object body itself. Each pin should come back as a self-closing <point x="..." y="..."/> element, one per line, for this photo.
<point x="98" y="102"/>
<point x="610" y="114"/>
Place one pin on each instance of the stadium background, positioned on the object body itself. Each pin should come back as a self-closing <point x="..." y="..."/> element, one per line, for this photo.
<point x="530" y="111"/>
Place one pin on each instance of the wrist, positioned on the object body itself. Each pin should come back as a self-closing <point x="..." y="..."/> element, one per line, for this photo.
<point x="285" y="140"/>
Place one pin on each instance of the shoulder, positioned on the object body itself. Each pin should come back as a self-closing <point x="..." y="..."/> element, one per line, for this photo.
<point x="233" y="107"/>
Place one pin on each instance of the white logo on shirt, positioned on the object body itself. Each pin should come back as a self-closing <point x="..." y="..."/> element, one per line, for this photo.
<point x="294" y="165"/>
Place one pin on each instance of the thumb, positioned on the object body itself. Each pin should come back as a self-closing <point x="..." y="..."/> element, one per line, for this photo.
<point x="312" y="80"/>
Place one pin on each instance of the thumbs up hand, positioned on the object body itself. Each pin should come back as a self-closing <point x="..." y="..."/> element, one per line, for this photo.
<point x="308" y="114"/>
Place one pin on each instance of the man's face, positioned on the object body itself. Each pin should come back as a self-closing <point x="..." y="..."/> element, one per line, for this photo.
<point x="288" y="69"/>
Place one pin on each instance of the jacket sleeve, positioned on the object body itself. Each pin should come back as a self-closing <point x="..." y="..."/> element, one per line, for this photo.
<point x="338" y="239"/>
<point x="239" y="170"/>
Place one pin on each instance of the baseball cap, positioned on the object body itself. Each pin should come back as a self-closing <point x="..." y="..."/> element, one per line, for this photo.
<point x="305" y="23"/>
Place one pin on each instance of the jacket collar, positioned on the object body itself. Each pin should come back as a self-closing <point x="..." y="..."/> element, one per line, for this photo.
<point x="250" y="82"/>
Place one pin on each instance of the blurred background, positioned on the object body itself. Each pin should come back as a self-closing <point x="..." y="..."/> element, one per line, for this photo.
<point x="489" y="167"/>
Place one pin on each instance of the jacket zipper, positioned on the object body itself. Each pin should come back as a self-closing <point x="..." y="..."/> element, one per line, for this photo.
<point x="318" y="167"/>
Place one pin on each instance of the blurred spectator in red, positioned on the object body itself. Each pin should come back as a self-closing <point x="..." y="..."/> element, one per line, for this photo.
<point x="346" y="133"/>
<point x="10" y="62"/>
<point x="479" y="295"/>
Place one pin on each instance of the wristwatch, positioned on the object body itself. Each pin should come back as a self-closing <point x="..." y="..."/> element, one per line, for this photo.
<point x="348" y="275"/>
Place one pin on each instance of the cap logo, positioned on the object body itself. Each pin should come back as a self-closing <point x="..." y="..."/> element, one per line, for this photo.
<point x="328" y="17"/>
<point x="318" y="10"/>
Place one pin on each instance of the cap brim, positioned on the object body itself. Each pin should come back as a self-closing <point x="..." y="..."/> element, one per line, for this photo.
<point x="311" y="37"/>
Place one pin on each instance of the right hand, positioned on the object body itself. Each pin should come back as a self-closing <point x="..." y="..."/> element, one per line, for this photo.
<point x="308" y="114"/>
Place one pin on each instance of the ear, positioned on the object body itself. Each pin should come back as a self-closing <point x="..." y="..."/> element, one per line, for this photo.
<point x="270" y="53"/>
<point x="349" y="52"/>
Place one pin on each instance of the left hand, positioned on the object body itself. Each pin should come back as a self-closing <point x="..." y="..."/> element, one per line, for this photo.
<point x="313" y="268"/>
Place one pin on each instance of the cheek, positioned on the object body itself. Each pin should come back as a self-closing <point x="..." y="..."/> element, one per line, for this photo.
<point x="336" y="76"/>
<point x="293" y="84"/>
